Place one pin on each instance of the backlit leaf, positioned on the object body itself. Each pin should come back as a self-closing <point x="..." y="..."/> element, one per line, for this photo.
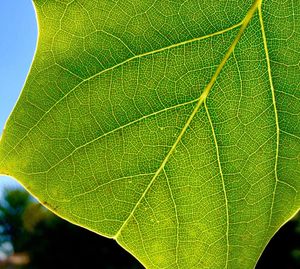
<point x="170" y="126"/>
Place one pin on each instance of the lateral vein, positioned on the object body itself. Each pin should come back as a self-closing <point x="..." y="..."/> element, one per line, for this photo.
<point x="120" y="64"/>
<point x="223" y="182"/>
<point x="121" y="127"/>
<point x="275" y="110"/>
<point x="176" y="217"/>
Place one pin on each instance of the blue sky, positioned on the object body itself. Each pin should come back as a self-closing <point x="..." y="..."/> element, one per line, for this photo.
<point x="17" y="45"/>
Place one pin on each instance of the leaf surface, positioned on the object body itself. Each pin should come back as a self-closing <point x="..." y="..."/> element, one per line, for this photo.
<point x="170" y="126"/>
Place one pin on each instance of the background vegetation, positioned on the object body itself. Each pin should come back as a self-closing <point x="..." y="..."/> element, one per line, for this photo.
<point x="31" y="237"/>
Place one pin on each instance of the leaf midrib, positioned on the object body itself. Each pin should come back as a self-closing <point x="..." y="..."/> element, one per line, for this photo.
<point x="201" y="100"/>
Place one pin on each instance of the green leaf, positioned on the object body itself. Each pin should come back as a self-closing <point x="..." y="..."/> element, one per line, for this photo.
<point x="171" y="126"/>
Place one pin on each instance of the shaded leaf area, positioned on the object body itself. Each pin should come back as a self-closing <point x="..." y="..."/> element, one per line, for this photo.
<point x="42" y="240"/>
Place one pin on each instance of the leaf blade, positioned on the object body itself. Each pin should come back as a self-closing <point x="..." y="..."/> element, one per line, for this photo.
<point x="129" y="178"/>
